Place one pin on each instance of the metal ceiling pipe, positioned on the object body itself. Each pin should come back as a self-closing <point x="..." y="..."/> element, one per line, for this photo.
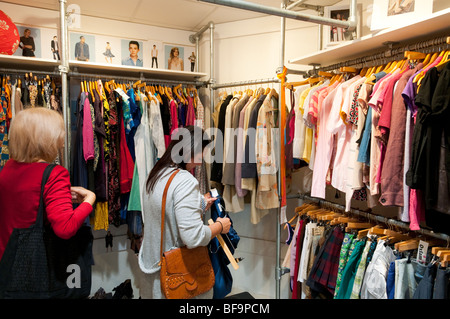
<point x="350" y="24"/>
<point x="199" y="33"/>
<point x="293" y="5"/>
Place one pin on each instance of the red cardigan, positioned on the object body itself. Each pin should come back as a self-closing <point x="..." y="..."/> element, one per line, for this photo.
<point x="20" y="187"/>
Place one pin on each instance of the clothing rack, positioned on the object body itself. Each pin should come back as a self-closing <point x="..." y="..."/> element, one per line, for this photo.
<point x="427" y="46"/>
<point x="77" y="75"/>
<point x="16" y="71"/>
<point x="243" y="83"/>
<point x="370" y="216"/>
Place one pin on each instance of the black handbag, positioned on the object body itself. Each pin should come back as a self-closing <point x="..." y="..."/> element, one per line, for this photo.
<point x="37" y="264"/>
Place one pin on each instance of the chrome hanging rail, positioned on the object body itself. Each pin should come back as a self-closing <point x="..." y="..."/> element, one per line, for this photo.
<point x="243" y="83"/>
<point x="371" y="216"/>
<point x="76" y="75"/>
<point x="284" y="13"/>
<point x="392" y="54"/>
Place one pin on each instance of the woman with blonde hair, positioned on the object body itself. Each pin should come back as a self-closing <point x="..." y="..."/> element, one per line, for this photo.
<point x="36" y="135"/>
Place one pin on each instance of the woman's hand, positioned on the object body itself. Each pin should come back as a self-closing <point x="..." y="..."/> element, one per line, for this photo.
<point x="81" y="195"/>
<point x="226" y="224"/>
<point x="209" y="200"/>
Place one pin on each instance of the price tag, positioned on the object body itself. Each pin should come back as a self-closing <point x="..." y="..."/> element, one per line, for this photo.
<point x="283" y="218"/>
<point x="422" y="252"/>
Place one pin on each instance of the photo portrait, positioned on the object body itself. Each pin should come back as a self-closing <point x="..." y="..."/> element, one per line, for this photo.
<point x="30" y="42"/>
<point x="174" y="57"/>
<point x="396" y="13"/>
<point x="400" y="7"/>
<point x="82" y="47"/>
<point x="334" y="35"/>
<point x="132" y="53"/>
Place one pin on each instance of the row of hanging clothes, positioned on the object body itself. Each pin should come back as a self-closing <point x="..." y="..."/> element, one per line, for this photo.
<point x="122" y="129"/>
<point x="21" y="91"/>
<point x="336" y="255"/>
<point x="379" y="134"/>
<point x="246" y="150"/>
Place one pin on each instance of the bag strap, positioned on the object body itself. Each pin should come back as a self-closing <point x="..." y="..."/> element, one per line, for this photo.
<point x="163" y="210"/>
<point x="40" y="214"/>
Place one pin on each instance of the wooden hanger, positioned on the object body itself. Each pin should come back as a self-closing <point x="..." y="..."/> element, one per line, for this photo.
<point x="313" y="81"/>
<point x="363" y="72"/>
<point x="357" y="225"/>
<point x="301" y="210"/>
<point x="410" y="244"/>
<point x="375" y="230"/>
<point x="225" y="248"/>
<point x="325" y="74"/>
<point x="437" y="249"/>
<point x="394" y="237"/>
<point x="348" y="69"/>
<point x="291" y="85"/>
<point x="412" y="55"/>
<point x="330" y="217"/>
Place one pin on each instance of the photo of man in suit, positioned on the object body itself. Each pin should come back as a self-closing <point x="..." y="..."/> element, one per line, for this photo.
<point x="55" y="48"/>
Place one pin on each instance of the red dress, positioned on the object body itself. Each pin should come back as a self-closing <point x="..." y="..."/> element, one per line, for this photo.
<point x="20" y="187"/>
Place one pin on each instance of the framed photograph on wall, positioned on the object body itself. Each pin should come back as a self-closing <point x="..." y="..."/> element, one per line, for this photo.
<point x="335" y="35"/>
<point x="394" y="13"/>
<point x="108" y="50"/>
<point x="30" y="42"/>
<point x="179" y="57"/>
<point x="156" y="54"/>
<point x="132" y="53"/>
<point x="82" y="47"/>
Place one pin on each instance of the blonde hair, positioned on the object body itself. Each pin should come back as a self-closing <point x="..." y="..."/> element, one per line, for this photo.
<point x="36" y="134"/>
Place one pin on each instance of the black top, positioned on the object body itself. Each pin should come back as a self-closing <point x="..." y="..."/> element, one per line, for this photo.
<point x="27" y="41"/>
<point x="216" y="169"/>
<point x="165" y="114"/>
<point x="433" y="102"/>
<point x="249" y="169"/>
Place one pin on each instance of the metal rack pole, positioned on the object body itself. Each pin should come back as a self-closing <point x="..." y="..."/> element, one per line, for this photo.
<point x="64" y="69"/>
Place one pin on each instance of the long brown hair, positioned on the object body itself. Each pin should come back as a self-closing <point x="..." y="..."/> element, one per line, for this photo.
<point x="189" y="142"/>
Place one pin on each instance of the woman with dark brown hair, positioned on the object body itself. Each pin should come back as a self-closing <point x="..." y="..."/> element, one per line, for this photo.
<point x="185" y="207"/>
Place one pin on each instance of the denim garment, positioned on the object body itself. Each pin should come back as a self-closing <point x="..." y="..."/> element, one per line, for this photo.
<point x="426" y="285"/>
<point x="390" y="281"/>
<point x="405" y="279"/>
<point x="441" y="285"/>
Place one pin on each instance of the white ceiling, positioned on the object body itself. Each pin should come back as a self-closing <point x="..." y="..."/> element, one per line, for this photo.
<point x="179" y="14"/>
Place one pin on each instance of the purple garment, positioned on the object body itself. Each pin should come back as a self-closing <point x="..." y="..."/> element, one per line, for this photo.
<point x="88" y="130"/>
<point x="410" y="91"/>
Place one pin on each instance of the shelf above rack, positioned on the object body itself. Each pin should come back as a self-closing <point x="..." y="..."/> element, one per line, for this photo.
<point x="434" y="24"/>
<point x="28" y="63"/>
<point x="122" y="70"/>
<point x="46" y="65"/>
